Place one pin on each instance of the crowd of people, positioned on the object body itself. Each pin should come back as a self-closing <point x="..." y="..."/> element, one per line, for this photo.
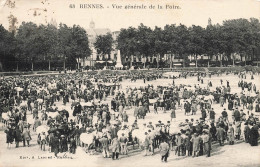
<point x="93" y="112"/>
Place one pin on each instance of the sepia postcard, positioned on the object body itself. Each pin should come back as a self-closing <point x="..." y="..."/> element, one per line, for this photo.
<point x="118" y="83"/>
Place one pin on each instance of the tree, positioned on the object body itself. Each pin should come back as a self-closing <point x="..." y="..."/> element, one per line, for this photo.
<point x="197" y="41"/>
<point x="212" y="46"/>
<point x="49" y="45"/>
<point x="7" y="47"/>
<point x="182" y="40"/>
<point x="28" y="42"/>
<point x="12" y="23"/>
<point x="232" y="37"/>
<point x="103" y="45"/>
<point x="41" y="43"/>
<point x="251" y="38"/>
<point x="32" y="43"/>
<point x="63" y="43"/>
<point x="126" y="43"/>
<point x="144" y="41"/>
<point x="161" y="45"/>
<point x="80" y="44"/>
<point x="170" y="38"/>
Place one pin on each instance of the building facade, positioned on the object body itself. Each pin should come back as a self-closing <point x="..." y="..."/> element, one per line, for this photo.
<point x="92" y="33"/>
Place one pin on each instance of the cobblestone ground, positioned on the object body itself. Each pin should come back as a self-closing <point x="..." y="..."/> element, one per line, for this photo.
<point x="240" y="154"/>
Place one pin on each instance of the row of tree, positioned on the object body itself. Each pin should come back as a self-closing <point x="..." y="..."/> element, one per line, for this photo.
<point x="238" y="36"/>
<point x="65" y="45"/>
<point x="41" y="44"/>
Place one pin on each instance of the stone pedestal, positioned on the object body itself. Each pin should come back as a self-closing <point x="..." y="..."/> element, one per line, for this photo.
<point x="118" y="61"/>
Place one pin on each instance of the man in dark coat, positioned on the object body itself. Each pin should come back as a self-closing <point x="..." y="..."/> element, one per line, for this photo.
<point x="18" y="136"/>
<point x="257" y="108"/>
<point x="73" y="145"/>
<point x="198" y="128"/>
<point x="246" y="132"/>
<point x="64" y="144"/>
<point x="66" y="113"/>
<point x="55" y="145"/>
<point x="213" y="131"/>
<point x="254" y="135"/>
<point x="224" y="113"/>
<point x="113" y="104"/>
<point x="203" y="114"/>
<point x="230" y="105"/>
<point x="237" y="115"/>
<point x="77" y="135"/>
<point x="212" y="115"/>
<point x="243" y="100"/>
<point x="59" y="117"/>
<point x="114" y="130"/>
<point x="187" y="107"/>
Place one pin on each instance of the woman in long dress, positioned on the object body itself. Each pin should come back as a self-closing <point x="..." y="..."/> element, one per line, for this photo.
<point x="9" y="137"/>
<point x="173" y="114"/>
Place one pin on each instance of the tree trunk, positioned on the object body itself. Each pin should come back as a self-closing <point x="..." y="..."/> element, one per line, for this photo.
<point x="233" y="57"/>
<point x="91" y="61"/>
<point x="64" y="63"/>
<point x="131" y="61"/>
<point x="245" y="60"/>
<point x="196" y="61"/>
<point x="17" y="67"/>
<point x="220" y="60"/>
<point x="84" y="62"/>
<point x="78" y="63"/>
<point x="49" y="65"/>
<point x="209" y="58"/>
<point x="184" y="60"/>
<point x="158" y="57"/>
<point x="144" y="61"/>
<point x="170" y="61"/>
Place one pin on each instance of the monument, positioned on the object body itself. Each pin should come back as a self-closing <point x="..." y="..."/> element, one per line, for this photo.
<point x="118" y="61"/>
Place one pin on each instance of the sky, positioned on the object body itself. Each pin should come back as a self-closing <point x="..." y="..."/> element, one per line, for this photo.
<point x="189" y="12"/>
